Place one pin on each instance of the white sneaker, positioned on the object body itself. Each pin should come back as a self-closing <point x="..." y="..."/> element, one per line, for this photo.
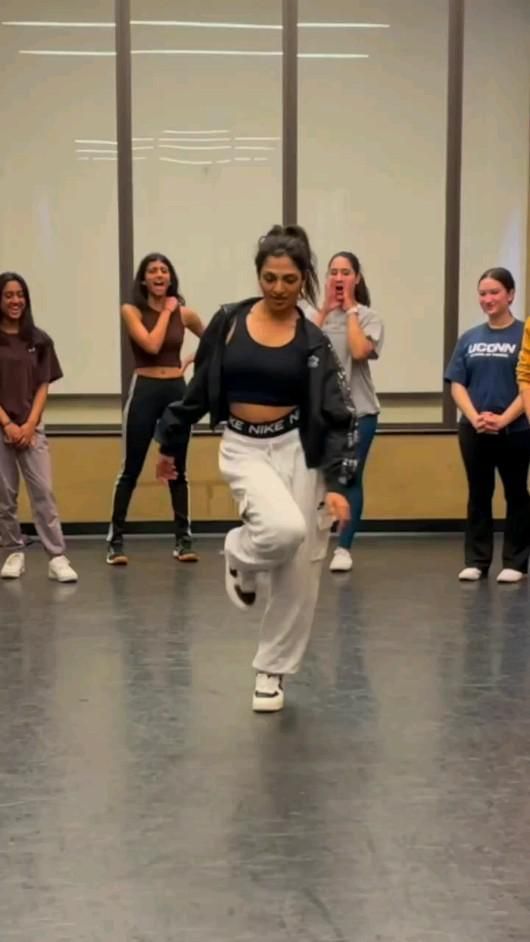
<point x="240" y="587"/>
<point x="341" y="561"/>
<point x="268" y="693"/>
<point x="511" y="575"/>
<point x="14" y="566"/>
<point x="470" y="574"/>
<point x="60" y="569"/>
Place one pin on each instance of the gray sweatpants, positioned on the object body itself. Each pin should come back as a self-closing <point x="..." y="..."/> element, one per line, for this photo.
<point x="285" y="533"/>
<point x="35" y="465"/>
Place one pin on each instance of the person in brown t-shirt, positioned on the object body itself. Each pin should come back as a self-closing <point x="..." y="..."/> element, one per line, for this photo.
<point x="28" y="364"/>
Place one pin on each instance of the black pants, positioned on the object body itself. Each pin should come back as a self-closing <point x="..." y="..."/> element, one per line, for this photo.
<point x="509" y="453"/>
<point x="146" y="404"/>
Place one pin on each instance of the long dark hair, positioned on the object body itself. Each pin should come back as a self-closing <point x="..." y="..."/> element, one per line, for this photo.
<point x="293" y="242"/>
<point x="27" y="330"/>
<point x="362" y="295"/>
<point x="139" y="288"/>
<point x="501" y="275"/>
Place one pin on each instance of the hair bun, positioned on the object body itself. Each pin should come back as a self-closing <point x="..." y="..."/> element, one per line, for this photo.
<point x="289" y="232"/>
<point x="296" y="232"/>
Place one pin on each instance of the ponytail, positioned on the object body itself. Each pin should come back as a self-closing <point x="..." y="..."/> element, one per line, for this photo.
<point x="362" y="295"/>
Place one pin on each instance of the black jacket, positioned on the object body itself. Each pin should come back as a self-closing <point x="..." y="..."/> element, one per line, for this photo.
<point x="328" y="420"/>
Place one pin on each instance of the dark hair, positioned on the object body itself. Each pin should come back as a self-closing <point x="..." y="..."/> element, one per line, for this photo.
<point x="293" y="242"/>
<point x="27" y="331"/>
<point x="502" y="275"/>
<point x="362" y="295"/>
<point x="139" y="288"/>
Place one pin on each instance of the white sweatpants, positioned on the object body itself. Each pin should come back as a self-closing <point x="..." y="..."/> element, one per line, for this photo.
<point x="285" y="533"/>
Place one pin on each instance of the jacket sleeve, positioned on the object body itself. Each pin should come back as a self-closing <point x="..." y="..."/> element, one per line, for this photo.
<point x="523" y="366"/>
<point x="174" y="426"/>
<point x="339" y="461"/>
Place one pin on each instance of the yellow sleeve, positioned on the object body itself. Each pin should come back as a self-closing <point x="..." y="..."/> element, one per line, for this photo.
<point x="523" y="365"/>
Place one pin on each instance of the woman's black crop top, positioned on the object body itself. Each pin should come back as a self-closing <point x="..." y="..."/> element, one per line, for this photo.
<point x="261" y="375"/>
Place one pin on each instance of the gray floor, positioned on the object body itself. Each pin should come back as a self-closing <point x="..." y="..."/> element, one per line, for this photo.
<point x="142" y="801"/>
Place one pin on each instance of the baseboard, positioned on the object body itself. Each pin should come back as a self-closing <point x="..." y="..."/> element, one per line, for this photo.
<point x="220" y="527"/>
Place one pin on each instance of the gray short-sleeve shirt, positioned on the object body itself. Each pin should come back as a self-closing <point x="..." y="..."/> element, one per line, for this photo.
<point x="357" y="371"/>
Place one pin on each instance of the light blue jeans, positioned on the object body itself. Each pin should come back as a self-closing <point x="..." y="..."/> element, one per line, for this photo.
<point x="366" y="431"/>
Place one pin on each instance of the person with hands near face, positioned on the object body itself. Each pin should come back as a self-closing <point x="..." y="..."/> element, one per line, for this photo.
<point x="273" y="377"/>
<point x="156" y="323"/>
<point x="493" y="432"/>
<point x="357" y="335"/>
<point x="28" y="364"/>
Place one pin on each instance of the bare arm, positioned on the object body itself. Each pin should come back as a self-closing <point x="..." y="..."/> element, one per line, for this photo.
<point x="361" y="347"/>
<point x="513" y="411"/>
<point x="4" y="418"/>
<point x="27" y="430"/>
<point x="192" y="322"/>
<point x="37" y="408"/>
<point x="463" y="402"/>
<point x="149" y="340"/>
<point x="10" y="430"/>
<point x="329" y="303"/>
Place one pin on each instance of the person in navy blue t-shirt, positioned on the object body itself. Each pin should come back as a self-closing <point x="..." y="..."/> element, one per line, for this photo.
<point x="494" y="432"/>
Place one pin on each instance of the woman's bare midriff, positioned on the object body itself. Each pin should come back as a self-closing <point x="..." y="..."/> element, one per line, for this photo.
<point x="250" y="412"/>
<point x="160" y="372"/>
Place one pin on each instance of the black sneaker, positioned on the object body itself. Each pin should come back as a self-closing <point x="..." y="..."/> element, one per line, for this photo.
<point x="116" y="555"/>
<point x="184" y="551"/>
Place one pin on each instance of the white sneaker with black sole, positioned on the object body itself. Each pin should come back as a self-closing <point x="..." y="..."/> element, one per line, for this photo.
<point x="240" y="586"/>
<point x="268" y="693"/>
<point x="341" y="560"/>
<point x="14" y="566"/>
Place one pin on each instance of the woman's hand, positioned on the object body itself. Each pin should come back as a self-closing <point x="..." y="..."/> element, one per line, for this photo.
<point x="165" y="469"/>
<point x="27" y="434"/>
<point x="493" y="423"/>
<point x="171" y="304"/>
<point x="330" y="296"/>
<point x="12" y="433"/>
<point x="338" y="507"/>
<point x="479" y="422"/>
<point x="348" y="293"/>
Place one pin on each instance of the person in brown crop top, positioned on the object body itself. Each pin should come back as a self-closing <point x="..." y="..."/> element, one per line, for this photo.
<point x="156" y="323"/>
